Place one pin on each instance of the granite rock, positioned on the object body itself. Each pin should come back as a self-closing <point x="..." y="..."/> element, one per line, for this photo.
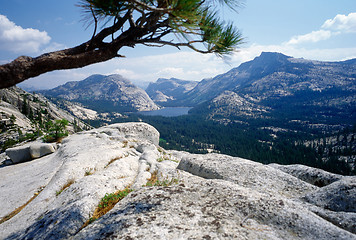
<point x="19" y="154"/>
<point x="41" y="149"/>
<point x="315" y="176"/>
<point x="210" y="196"/>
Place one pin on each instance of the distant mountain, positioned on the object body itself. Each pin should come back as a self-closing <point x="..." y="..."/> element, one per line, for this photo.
<point x="280" y="87"/>
<point x="165" y="91"/>
<point x="276" y="75"/>
<point x="111" y="93"/>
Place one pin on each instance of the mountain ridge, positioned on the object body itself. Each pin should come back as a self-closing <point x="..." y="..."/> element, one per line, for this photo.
<point x="164" y="91"/>
<point x="273" y="79"/>
<point x="248" y="73"/>
<point x="104" y="93"/>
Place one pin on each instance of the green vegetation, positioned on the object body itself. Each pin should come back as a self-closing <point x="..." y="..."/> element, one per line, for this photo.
<point x="110" y="199"/>
<point x="247" y="138"/>
<point x="154" y="182"/>
<point x="106" y="204"/>
<point x="55" y="130"/>
<point x="194" y="24"/>
<point x="65" y="186"/>
<point x="89" y="171"/>
<point x="31" y="136"/>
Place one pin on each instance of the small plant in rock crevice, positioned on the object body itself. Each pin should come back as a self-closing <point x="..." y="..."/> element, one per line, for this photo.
<point x="65" y="186"/>
<point x="165" y="157"/>
<point x="106" y="204"/>
<point x="154" y="182"/>
<point x="112" y="160"/>
<point x="125" y="142"/>
<point x="89" y="171"/>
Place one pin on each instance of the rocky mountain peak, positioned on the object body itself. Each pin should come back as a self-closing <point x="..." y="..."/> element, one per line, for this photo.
<point x="165" y="90"/>
<point x="266" y="63"/>
<point x="105" y="93"/>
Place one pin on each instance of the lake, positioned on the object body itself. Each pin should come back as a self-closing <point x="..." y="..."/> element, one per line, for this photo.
<point x="167" y="112"/>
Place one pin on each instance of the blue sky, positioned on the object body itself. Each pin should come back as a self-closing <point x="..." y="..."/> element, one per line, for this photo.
<point x="312" y="29"/>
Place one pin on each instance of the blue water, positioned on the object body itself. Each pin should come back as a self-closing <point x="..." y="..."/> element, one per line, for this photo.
<point x="167" y="112"/>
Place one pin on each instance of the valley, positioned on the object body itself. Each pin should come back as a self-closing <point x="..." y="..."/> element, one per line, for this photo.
<point x="273" y="109"/>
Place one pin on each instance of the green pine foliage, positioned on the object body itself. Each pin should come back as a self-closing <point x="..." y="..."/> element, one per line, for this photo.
<point x="55" y="130"/>
<point x="194" y="134"/>
<point x="195" y="23"/>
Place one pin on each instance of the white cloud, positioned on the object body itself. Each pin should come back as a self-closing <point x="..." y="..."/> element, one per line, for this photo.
<point x="17" y="39"/>
<point x="314" y="36"/>
<point x="183" y="65"/>
<point x="341" y="23"/>
<point x="171" y="71"/>
<point x="331" y="27"/>
<point x="332" y="54"/>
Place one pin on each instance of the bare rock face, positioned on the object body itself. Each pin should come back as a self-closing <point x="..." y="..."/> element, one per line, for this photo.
<point x="190" y="196"/>
<point x="109" y="93"/>
<point x="315" y="176"/>
<point x="210" y="209"/>
<point x="245" y="173"/>
<point x="339" y="196"/>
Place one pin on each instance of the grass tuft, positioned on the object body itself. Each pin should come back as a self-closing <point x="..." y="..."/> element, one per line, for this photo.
<point x="106" y="204"/>
<point x="154" y="182"/>
<point x="165" y="157"/>
<point x="65" y="186"/>
<point x="112" y="160"/>
<point x="89" y="171"/>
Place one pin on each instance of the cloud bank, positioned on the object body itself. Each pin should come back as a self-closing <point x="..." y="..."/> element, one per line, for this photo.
<point x="20" y="40"/>
<point x="190" y="65"/>
<point x="340" y="24"/>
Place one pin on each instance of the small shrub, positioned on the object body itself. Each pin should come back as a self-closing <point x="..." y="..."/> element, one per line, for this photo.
<point x="161" y="159"/>
<point x="110" y="199"/>
<point x="55" y="130"/>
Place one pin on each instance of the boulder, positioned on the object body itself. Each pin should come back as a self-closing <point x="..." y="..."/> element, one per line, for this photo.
<point x="29" y="151"/>
<point x="19" y="154"/>
<point x="38" y="150"/>
<point x="139" y="131"/>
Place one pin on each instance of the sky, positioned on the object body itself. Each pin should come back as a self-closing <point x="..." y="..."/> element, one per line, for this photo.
<point x="322" y="30"/>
